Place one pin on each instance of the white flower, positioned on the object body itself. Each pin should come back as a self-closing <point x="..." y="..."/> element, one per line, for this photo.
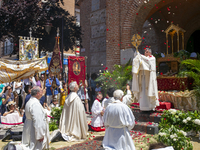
<point x="184" y="133"/>
<point x="173" y="136"/>
<point x="173" y="111"/>
<point x="174" y="139"/>
<point x="176" y="116"/>
<point x="184" y="121"/>
<point x="188" y="118"/>
<point x="162" y="134"/>
<point x="196" y="121"/>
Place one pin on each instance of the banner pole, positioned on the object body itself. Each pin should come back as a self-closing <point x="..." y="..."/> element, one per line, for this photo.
<point x="45" y="78"/>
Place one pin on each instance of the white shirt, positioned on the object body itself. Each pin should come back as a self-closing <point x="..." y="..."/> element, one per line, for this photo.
<point x="97" y="120"/>
<point x="17" y="89"/>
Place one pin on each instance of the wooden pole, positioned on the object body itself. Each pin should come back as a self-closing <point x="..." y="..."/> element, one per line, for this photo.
<point x="45" y="78"/>
<point x="178" y="41"/>
<point x="182" y="40"/>
<point x="167" y="42"/>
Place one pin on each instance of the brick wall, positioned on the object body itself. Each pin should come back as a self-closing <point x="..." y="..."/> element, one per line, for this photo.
<point x="124" y="18"/>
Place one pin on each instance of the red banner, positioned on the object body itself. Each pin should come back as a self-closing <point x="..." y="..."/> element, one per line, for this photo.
<point x="76" y="69"/>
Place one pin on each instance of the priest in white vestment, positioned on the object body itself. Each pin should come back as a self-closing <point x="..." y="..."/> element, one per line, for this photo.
<point x="144" y="82"/>
<point x="73" y="122"/>
<point x="118" y="120"/>
<point x="35" y="134"/>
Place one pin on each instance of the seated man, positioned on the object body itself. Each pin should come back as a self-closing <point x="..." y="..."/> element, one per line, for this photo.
<point x="73" y="122"/>
<point x="118" y="120"/>
<point x="97" y="114"/>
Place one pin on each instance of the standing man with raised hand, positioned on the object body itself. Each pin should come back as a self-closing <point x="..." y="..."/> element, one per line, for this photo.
<point x="144" y="82"/>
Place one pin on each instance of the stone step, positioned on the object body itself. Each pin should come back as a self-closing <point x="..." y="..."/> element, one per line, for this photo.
<point x="150" y="116"/>
<point x="147" y="127"/>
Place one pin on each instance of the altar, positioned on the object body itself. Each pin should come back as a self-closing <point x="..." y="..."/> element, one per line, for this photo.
<point x="174" y="83"/>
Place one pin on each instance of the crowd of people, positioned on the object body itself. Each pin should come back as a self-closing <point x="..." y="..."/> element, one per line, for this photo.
<point x="31" y="100"/>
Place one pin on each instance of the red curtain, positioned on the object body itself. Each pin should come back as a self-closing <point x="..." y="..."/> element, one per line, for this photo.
<point x="76" y="69"/>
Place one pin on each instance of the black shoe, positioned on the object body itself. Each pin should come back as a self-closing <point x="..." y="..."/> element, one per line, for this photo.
<point x="17" y="137"/>
<point x="7" y="135"/>
<point x="56" y="137"/>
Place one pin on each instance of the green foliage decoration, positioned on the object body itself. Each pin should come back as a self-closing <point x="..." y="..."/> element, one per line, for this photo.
<point x="174" y="137"/>
<point x="118" y="78"/>
<point x="55" y="120"/>
<point x="175" y="126"/>
<point x="182" y="54"/>
<point x="191" y="68"/>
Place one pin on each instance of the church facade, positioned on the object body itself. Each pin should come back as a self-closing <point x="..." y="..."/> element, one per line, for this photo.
<point x="108" y="27"/>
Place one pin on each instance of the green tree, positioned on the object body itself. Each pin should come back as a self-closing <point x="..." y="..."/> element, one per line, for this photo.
<point x="18" y="16"/>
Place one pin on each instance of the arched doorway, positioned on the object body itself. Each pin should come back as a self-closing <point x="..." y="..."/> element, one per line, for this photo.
<point x="193" y="42"/>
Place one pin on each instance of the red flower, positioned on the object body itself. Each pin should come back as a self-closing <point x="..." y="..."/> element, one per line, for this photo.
<point x="150" y="123"/>
<point x="91" y="132"/>
<point x="106" y="68"/>
<point x="114" y="80"/>
<point x="115" y="83"/>
<point x="106" y="81"/>
<point x="164" y="118"/>
<point x="110" y="78"/>
<point x="161" y="73"/>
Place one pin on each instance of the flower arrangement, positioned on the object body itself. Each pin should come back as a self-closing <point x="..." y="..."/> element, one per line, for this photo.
<point x="55" y="120"/>
<point x="175" y="137"/>
<point x="176" y="125"/>
<point x="185" y="121"/>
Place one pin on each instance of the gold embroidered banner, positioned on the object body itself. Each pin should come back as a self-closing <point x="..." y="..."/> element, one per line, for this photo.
<point x="28" y="48"/>
<point x="13" y="70"/>
<point x="55" y="66"/>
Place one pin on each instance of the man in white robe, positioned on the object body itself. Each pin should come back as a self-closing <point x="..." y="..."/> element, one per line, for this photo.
<point x="111" y="99"/>
<point x="73" y="122"/>
<point x="118" y="120"/>
<point x="35" y="134"/>
<point x="144" y="82"/>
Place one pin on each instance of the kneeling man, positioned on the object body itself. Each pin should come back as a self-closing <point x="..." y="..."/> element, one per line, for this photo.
<point x="73" y="122"/>
<point x="118" y="120"/>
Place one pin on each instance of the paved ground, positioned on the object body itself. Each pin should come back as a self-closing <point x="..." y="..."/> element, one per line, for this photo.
<point x="139" y="141"/>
